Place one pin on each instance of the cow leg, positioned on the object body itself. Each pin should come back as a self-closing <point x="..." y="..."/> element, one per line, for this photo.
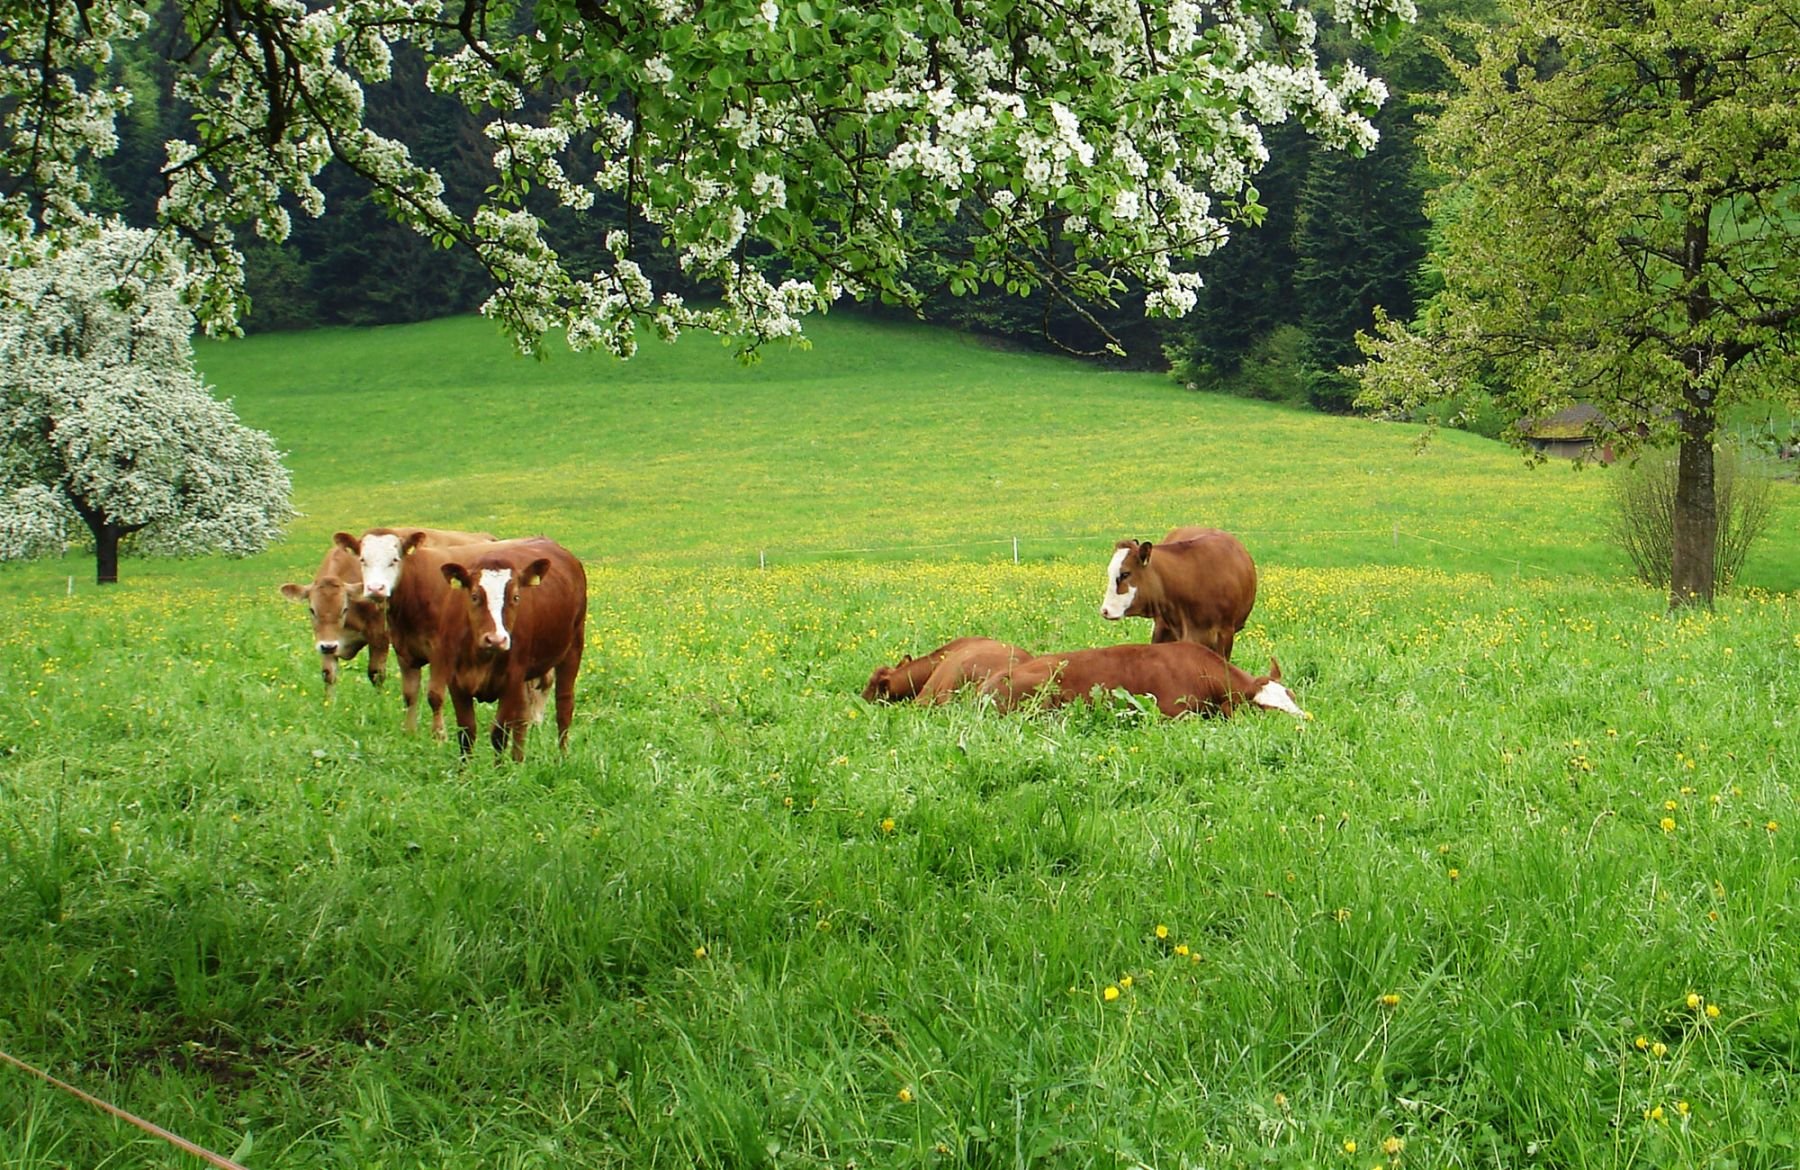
<point x="434" y="698"/>
<point x="464" y="702"/>
<point x="537" y="696"/>
<point x="409" y="693"/>
<point x="566" y="671"/>
<point x="1226" y="636"/>
<point x="378" y="656"/>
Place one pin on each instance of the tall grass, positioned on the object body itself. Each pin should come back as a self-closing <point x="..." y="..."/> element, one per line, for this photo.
<point x="1522" y="893"/>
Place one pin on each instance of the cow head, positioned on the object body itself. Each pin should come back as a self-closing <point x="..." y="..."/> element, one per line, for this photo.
<point x="493" y="597"/>
<point x="1272" y="696"/>
<point x="383" y="554"/>
<point x="328" y="604"/>
<point x="1129" y="559"/>
<point x="880" y="688"/>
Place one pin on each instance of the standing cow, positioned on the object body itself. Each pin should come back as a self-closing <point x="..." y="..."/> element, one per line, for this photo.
<point x="1181" y="676"/>
<point x="401" y="573"/>
<point x="1198" y="585"/>
<point x="342" y="622"/>
<point x="517" y="614"/>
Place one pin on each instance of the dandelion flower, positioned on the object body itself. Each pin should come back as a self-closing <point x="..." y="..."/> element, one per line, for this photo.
<point x="1693" y="1001"/>
<point x="1349" y="1145"/>
<point x="699" y="952"/>
<point x="1390" y="1000"/>
<point x="887" y="824"/>
<point x="1659" y="1050"/>
<point x="1181" y="948"/>
<point x="1125" y="982"/>
<point x="905" y="1094"/>
<point x="1162" y="931"/>
<point x="1655" y="1113"/>
<point x="1393" y="1146"/>
<point x="1111" y="993"/>
<point x="1642" y="1043"/>
<point x="1712" y="1011"/>
<point x="1668" y="824"/>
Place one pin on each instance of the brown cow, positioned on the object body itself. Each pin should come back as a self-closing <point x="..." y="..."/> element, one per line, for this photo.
<point x="409" y="599"/>
<point x="974" y="662"/>
<point x="343" y="620"/>
<point x="905" y="678"/>
<point x="517" y="614"/>
<point x="1199" y="586"/>
<point x="1180" y="676"/>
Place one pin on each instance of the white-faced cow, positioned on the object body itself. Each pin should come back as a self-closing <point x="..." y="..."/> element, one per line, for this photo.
<point x="1198" y="585"/>
<point x="516" y="615"/>
<point x="1180" y="676"/>
<point x="342" y="622"/>
<point x="908" y="677"/>
<point x="408" y="597"/>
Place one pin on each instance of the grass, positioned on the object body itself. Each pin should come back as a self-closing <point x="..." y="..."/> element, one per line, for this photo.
<point x="748" y="920"/>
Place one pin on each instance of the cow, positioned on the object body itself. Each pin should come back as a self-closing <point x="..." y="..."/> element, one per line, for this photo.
<point x="1198" y="585"/>
<point x="408" y="600"/>
<point x="342" y="622"/>
<point x="517" y="615"/>
<point x="907" y="677"/>
<point x="974" y="662"/>
<point x="1181" y="677"/>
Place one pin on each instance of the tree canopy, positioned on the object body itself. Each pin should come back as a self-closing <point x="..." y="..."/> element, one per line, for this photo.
<point x="104" y="422"/>
<point x="788" y="153"/>
<point x="1621" y="226"/>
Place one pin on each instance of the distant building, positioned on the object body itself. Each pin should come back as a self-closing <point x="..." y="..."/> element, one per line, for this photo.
<point x="1580" y="431"/>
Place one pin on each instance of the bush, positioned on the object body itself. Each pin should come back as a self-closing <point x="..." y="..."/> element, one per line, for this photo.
<point x="1643" y="516"/>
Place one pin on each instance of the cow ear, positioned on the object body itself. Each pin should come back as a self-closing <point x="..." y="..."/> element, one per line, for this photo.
<point x="347" y="542"/>
<point x="457" y="576"/>
<point x="294" y="592"/>
<point x="355" y="590"/>
<point x="1274" y="669"/>
<point x="411" y="544"/>
<point x="534" y="572"/>
<point x="1143" y="552"/>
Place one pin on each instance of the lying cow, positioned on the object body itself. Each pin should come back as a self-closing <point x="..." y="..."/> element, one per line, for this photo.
<point x="1180" y="676"/>
<point x="409" y="597"/>
<point x="1198" y="585"/>
<point x="969" y="659"/>
<point x="517" y="615"/>
<point x="975" y="662"/>
<point x="342" y="622"/>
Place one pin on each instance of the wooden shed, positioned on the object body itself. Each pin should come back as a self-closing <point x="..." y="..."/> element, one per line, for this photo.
<point x="1580" y="431"/>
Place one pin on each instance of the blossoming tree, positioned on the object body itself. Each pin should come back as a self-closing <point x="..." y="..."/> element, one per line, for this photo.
<point x="104" y="421"/>
<point x="788" y="152"/>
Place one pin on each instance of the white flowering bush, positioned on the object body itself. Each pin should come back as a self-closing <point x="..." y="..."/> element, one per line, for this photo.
<point x="790" y="152"/>
<point x="106" y="429"/>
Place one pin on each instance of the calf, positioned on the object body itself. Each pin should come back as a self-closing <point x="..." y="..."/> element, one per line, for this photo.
<point x="1180" y="676"/>
<point x="517" y="615"/>
<point x="905" y="678"/>
<point x="975" y="661"/>
<point x="400" y="570"/>
<point x="342" y="622"/>
<point x="1198" y="587"/>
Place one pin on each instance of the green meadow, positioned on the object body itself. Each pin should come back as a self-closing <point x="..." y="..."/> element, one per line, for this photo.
<point x="1524" y="891"/>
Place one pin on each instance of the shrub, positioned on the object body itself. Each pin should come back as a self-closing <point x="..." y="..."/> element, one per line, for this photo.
<point x="1643" y="513"/>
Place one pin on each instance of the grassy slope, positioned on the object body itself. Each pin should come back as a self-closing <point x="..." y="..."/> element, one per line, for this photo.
<point x="751" y="921"/>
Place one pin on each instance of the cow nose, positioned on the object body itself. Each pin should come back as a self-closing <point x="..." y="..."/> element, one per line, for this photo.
<point x="497" y="641"/>
<point x="328" y="647"/>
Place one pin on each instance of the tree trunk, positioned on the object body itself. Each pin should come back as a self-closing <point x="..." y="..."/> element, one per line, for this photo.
<point x="106" y="554"/>
<point x="1696" y="517"/>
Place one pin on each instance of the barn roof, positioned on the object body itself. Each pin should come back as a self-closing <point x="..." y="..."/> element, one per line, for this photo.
<point x="1583" y="420"/>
